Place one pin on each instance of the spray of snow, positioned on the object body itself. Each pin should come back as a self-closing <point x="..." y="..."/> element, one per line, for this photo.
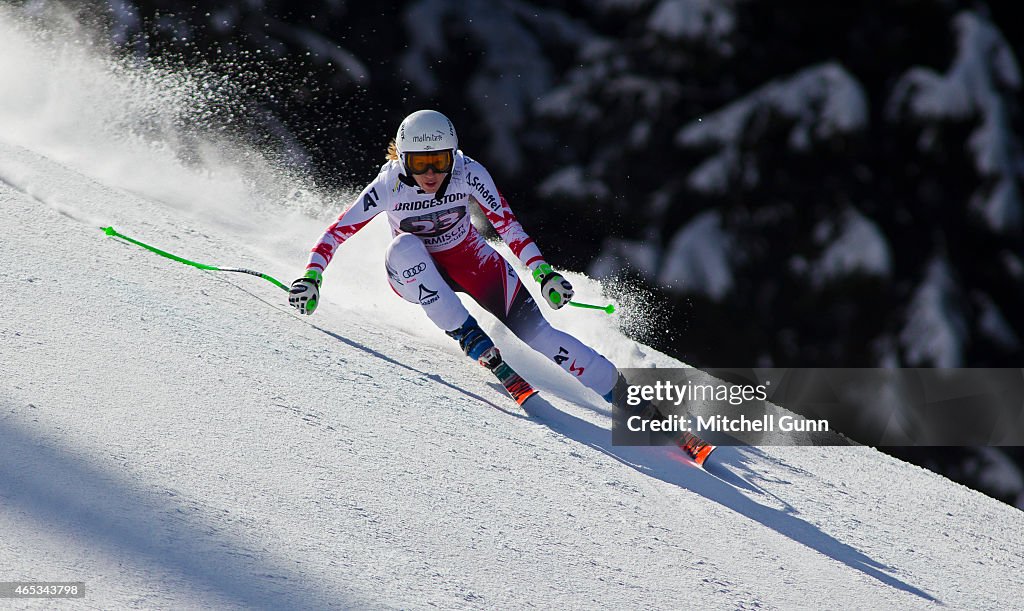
<point x="158" y="133"/>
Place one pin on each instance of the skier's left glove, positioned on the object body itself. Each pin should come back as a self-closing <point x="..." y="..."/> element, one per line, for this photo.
<point x="556" y="290"/>
<point x="305" y="292"/>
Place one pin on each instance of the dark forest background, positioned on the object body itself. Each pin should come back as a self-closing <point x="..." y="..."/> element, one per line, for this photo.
<point x="798" y="184"/>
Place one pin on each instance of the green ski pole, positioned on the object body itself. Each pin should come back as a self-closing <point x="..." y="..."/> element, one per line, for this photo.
<point x="607" y="309"/>
<point x="112" y="232"/>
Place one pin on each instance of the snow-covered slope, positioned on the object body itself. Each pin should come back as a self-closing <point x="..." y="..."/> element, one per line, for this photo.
<point x="181" y="439"/>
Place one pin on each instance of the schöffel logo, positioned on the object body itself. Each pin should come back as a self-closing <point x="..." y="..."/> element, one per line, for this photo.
<point x="412" y="271"/>
<point x="484" y="192"/>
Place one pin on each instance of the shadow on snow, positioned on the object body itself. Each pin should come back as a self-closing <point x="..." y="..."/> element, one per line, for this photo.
<point x="63" y="495"/>
<point x="668" y="465"/>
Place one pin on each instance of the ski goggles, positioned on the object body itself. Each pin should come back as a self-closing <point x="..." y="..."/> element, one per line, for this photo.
<point x="419" y="163"/>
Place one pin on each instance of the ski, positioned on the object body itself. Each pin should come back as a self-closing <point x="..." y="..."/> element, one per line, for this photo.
<point x="697" y="449"/>
<point x="519" y="389"/>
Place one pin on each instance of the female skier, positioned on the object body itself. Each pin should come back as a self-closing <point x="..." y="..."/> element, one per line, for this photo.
<point x="426" y="189"/>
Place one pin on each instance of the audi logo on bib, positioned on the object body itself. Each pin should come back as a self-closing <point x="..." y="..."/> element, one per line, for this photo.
<point x="412" y="271"/>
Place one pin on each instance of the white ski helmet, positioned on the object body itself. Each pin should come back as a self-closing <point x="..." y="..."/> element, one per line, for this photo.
<point x="424" y="131"/>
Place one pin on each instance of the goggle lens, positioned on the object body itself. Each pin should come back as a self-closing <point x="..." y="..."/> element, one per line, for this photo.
<point x="419" y="163"/>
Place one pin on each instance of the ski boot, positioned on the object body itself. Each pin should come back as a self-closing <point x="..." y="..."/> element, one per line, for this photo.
<point x="479" y="347"/>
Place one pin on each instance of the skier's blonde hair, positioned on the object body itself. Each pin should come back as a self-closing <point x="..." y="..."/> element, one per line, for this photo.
<point x="392" y="150"/>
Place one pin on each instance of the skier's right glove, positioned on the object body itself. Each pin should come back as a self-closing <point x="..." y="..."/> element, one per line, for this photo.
<point x="305" y="292"/>
<point x="556" y="290"/>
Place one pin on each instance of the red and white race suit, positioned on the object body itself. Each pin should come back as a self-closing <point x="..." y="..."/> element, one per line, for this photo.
<point x="437" y="251"/>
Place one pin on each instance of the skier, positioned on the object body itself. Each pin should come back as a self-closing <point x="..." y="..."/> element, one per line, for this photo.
<point x="426" y="189"/>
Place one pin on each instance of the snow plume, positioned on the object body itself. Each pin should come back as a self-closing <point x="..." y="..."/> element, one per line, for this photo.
<point x="170" y="134"/>
<point x="154" y="132"/>
<point x="983" y="82"/>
